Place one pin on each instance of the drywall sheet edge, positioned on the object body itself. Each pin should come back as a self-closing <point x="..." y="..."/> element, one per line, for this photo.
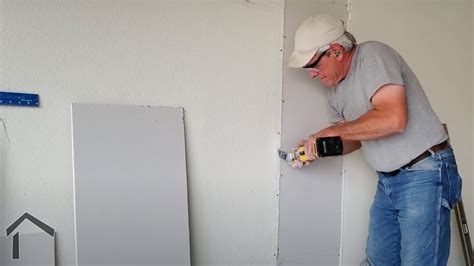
<point x="310" y="198"/>
<point x="130" y="188"/>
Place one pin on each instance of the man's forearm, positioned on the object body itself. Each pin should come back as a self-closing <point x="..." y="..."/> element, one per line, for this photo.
<point x="372" y="125"/>
<point x="350" y="146"/>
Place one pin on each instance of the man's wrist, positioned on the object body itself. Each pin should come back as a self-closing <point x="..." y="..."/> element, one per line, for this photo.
<point x="328" y="132"/>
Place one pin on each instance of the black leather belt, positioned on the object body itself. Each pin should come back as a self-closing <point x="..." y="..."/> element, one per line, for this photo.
<point x="436" y="148"/>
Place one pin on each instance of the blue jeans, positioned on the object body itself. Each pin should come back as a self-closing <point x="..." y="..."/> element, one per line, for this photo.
<point x="410" y="216"/>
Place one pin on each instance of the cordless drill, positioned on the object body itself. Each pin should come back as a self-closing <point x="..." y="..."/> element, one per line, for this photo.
<point x="324" y="147"/>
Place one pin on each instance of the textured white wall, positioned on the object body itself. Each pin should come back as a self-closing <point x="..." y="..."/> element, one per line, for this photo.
<point x="220" y="60"/>
<point x="4" y="143"/>
<point x="435" y="38"/>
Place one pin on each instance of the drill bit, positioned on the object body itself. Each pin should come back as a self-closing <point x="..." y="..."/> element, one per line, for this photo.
<point x="288" y="156"/>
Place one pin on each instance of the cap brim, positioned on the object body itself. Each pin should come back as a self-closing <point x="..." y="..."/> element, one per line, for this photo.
<point x="300" y="59"/>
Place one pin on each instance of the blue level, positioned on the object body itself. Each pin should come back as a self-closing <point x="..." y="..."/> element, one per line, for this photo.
<point x="21" y="99"/>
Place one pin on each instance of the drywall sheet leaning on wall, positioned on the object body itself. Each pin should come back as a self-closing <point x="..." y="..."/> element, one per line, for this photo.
<point x="311" y="197"/>
<point x="130" y="185"/>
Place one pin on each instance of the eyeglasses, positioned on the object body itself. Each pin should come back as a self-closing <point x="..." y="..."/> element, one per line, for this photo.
<point x="315" y="63"/>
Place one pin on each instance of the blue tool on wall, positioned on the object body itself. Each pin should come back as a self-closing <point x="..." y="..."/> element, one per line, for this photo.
<point x="19" y="99"/>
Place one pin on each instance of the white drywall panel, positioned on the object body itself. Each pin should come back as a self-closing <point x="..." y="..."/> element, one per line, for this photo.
<point x="310" y="198"/>
<point x="130" y="185"/>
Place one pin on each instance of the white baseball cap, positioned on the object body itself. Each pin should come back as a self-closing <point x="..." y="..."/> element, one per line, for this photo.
<point x="314" y="34"/>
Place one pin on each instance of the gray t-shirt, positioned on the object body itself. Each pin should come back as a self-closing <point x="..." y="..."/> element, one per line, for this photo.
<point x="374" y="65"/>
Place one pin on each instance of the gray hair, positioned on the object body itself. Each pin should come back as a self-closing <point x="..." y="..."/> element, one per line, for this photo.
<point x="347" y="41"/>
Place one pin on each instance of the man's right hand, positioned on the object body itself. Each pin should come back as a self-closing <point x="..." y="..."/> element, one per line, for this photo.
<point x="298" y="163"/>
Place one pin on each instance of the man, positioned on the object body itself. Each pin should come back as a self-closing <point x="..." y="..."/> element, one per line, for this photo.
<point x="376" y="103"/>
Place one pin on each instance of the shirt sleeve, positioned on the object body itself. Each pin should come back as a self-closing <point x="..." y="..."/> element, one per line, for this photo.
<point x="382" y="67"/>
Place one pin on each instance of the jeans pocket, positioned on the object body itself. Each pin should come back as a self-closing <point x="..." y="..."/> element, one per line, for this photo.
<point x="452" y="184"/>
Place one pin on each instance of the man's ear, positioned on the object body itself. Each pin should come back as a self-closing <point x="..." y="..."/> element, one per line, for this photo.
<point x="338" y="51"/>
